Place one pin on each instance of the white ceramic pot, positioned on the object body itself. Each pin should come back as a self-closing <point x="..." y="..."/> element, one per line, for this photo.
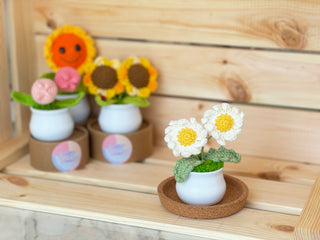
<point x="202" y="188"/>
<point x="51" y="125"/>
<point x="120" y="118"/>
<point x="81" y="112"/>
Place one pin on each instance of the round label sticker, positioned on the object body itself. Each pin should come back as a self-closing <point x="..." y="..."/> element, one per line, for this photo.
<point x="66" y="156"/>
<point x="116" y="148"/>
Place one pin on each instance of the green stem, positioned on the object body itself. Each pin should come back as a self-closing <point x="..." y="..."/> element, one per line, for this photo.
<point x="202" y="153"/>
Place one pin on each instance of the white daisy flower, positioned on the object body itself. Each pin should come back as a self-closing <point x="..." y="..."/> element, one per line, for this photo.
<point x="223" y="122"/>
<point x="185" y="137"/>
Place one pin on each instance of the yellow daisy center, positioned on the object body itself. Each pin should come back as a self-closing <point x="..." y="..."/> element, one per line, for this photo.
<point x="224" y="122"/>
<point x="187" y="136"/>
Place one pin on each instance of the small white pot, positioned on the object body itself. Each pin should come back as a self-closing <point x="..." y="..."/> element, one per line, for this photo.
<point x="81" y="112"/>
<point x="202" y="188"/>
<point x="51" y="125"/>
<point x="120" y="118"/>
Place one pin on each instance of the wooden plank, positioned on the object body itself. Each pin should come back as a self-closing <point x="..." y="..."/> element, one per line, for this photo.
<point x="254" y="167"/>
<point x="267" y="132"/>
<point x="308" y="226"/>
<point x="14" y="149"/>
<point x="22" y="58"/>
<point x="137" y="209"/>
<point x="273" y="78"/>
<point x="271" y="24"/>
<point x="264" y="195"/>
<point x="5" y="115"/>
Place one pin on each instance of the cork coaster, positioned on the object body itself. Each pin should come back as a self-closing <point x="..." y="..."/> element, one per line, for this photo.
<point x="61" y="156"/>
<point x="120" y="148"/>
<point x="232" y="202"/>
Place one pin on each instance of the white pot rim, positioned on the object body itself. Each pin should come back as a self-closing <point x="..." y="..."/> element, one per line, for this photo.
<point x="51" y="111"/>
<point x="121" y="106"/>
<point x="207" y="173"/>
<point x="67" y="96"/>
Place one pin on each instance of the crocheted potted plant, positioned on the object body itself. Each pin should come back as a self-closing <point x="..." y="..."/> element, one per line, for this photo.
<point x="69" y="51"/>
<point x="199" y="173"/>
<point x="51" y="119"/>
<point x="120" y="90"/>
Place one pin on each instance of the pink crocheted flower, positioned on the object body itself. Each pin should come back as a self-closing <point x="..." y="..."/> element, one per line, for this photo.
<point x="67" y="79"/>
<point x="44" y="91"/>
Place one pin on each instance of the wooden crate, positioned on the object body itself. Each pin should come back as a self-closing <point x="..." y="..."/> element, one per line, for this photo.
<point x="262" y="56"/>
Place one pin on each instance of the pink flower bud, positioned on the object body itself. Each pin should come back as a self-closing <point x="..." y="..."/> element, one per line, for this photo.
<point x="44" y="91"/>
<point x="67" y="79"/>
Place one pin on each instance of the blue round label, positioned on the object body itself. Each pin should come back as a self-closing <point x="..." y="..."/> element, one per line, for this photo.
<point x="66" y="156"/>
<point x="116" y="148"/>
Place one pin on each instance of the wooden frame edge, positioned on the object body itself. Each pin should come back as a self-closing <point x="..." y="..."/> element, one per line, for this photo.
<point x="14" y="149"/>
<point x="308" y="226"/>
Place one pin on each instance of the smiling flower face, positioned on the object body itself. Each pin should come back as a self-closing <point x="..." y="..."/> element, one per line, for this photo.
<point x="69" y="46"/>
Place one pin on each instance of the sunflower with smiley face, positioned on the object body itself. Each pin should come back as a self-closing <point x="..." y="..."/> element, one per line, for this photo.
<point x="69" y="46"/>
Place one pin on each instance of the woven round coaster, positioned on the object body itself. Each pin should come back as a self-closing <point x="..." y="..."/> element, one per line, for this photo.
<point x="233" y="200"/>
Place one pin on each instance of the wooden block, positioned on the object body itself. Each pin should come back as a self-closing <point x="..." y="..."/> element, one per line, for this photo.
<point x="272" y="24"/>
<point x="308" y="226"/>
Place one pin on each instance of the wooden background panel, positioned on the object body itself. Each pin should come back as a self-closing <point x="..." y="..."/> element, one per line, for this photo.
<point x="22" y="58"/>
<point x="276" y="78"/>
<point x="271" y="24"/>
<point x="267" y="132"/>
<point x="5" y="113"/>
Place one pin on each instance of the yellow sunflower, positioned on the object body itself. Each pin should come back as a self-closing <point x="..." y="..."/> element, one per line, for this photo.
<point x="69" y="46"/>
<point x="138" y="77"/>
<point x="102" y="78"/>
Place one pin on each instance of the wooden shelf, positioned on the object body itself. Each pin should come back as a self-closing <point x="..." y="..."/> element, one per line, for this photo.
<point x="127" y="194"/>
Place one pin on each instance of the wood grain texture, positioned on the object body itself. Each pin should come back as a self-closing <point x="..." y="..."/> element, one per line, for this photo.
<point x="5" y="112"/>
<point x="308" y="226"/>
<point x="271" y="24"/>
<point x="13" y="149"/>
<point x="267" y="132"/>
<point x="264" y="194"/>
<point x="254" y="167"/>
<point x="22" y="57"/>
<point x="136" y="209"/>
<point x="273" y="78"/>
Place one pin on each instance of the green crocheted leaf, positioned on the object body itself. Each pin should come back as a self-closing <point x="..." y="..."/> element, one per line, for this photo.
<point x="23" y="98"/>
<point x="222" y="154"/>
<point x="140" y="102"/>
<point x="68" y="103"/>
<point x="184" y="166"/>
<point x="106" y="102"/>
<point x="49" y="75"/>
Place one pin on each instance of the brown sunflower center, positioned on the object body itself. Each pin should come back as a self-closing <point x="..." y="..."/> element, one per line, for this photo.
<point x="138" y="76"/>
<point x="104" y="77"/>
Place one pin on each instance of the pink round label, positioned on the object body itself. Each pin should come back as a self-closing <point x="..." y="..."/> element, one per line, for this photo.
<point x="66" y="156"/>
<point x="116" y="148"/>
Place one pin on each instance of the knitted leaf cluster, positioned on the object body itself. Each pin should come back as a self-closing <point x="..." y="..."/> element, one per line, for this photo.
<point x="222" y="154"/>
<point x="184" y="166"/>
